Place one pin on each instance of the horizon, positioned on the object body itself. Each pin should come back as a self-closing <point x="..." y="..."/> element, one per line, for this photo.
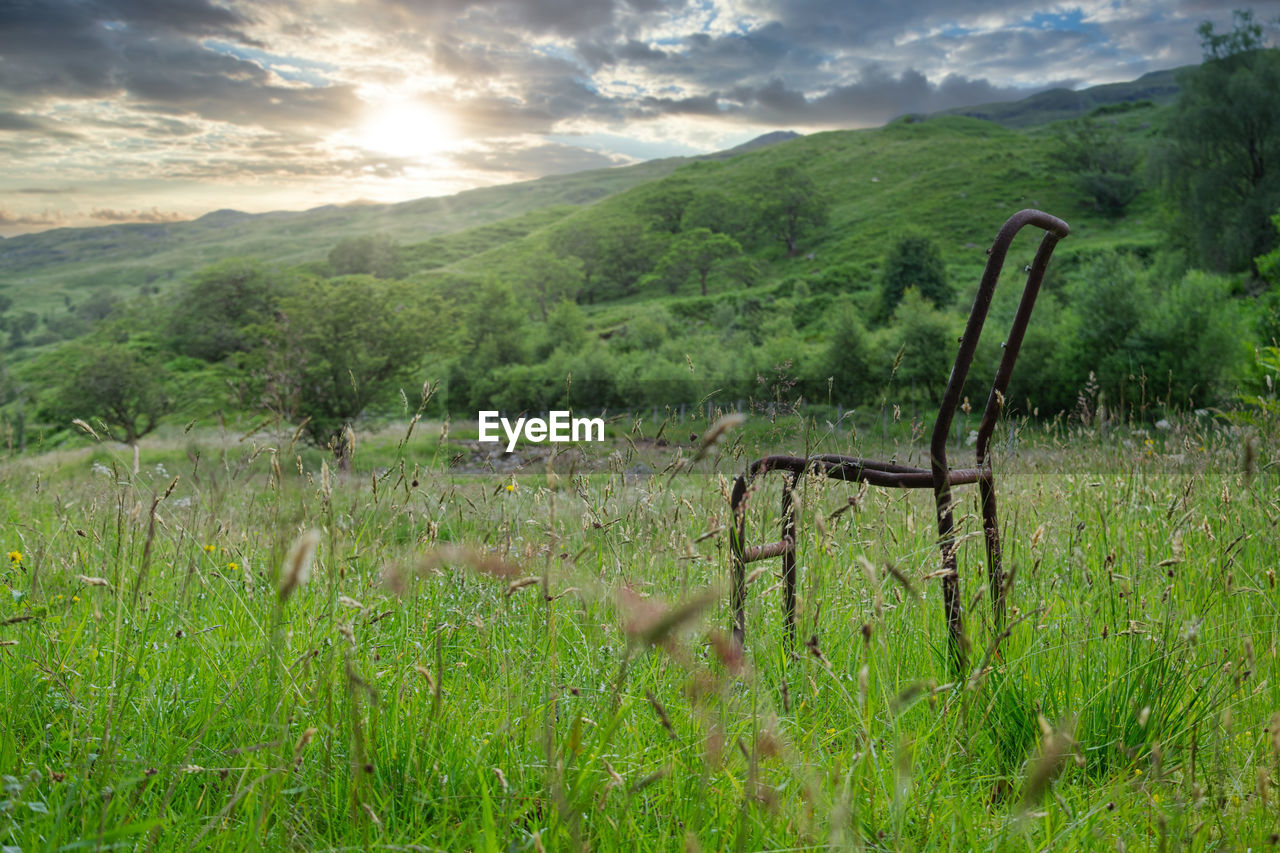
<point x="127" y="113"/>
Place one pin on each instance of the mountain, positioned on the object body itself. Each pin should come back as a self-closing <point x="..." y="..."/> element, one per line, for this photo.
<point x="1159" y="87"/>
<point x="44" y="270"/>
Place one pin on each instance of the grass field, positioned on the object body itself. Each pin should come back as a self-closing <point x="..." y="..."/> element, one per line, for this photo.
<point x="539" y="660"/>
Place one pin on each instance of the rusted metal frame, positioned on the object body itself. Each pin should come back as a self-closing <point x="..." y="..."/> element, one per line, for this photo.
<point x="793" y="467"/>
<point x="1056" y="229"/>
<point x="990" y="416"/>
<point x="847" y="468"/>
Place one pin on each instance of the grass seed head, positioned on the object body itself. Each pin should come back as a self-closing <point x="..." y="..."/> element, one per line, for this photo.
<point x="297" y="563"/>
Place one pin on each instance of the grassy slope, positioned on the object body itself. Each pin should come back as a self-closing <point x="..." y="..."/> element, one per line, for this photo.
<point x="37" y="269"/>
<point x="953" y="178"/>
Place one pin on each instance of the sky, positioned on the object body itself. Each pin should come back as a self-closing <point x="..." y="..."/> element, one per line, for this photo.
<point x="161" y="110"/>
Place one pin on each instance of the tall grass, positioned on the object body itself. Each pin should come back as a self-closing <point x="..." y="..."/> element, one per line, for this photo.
<point x="542" y="662"/>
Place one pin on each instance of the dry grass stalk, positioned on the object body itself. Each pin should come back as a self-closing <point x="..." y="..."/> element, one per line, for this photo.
<point x="476" y="559"/>
<point x="516" y="586"/>
<point x="84" y="426"/>
<point x="652" y="622"/>
<point x="297" y="563"/>
<point x="1056" y="747"/>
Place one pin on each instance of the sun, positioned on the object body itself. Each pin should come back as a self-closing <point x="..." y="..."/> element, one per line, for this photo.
<point x="406" y="129"/>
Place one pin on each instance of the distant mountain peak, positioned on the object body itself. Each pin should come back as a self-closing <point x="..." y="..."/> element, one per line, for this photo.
<point x="763" y="141"/>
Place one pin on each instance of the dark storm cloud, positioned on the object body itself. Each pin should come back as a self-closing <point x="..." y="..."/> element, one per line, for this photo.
<point x="877" y="97"/>
<point x="151" y="52"/>
<point x="18" y="123"/>
<point x="570" y="18"/>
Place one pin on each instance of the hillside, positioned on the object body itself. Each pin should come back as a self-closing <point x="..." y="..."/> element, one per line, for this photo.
<point x="1159" y="87"/>
<point x="952" y="178"/>
<point x="38" y="270"/>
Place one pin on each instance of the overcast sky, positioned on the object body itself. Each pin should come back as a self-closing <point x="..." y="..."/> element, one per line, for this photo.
<point x="153" y="110"/>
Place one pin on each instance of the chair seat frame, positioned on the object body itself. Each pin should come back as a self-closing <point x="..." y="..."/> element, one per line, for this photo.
<point x="939" y="476"/>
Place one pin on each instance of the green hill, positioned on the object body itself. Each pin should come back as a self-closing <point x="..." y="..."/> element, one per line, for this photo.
<point x="1158" y="87"/>
<point x="38" y="270"/>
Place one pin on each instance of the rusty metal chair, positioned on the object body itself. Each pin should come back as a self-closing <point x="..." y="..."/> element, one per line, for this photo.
<point x="939" y="476"/>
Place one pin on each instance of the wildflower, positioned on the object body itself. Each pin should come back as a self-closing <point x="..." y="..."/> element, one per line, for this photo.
<point x="209" y="549"/>
<point x="232" y="567"/>
<point x="511" y="487"/>
<point x="75" y="599"/>
<point x="15" y="557"/>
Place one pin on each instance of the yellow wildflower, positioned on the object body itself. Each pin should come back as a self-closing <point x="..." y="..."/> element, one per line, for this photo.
<point x="209" y="549"/>
<point x="511" y="487"/>
<point x="231" y="567"/>
<point x="15" y="556"/>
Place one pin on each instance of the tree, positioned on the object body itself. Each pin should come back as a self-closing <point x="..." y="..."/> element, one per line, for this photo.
<point x="663" y="202"/>
<point x="848" y="359"/>
<point x="695" y="252"/>
<point x="370" y="254"/>
<point x="1220" y="165"/>
<point x="217" y="308"/>
<point x="913" y="261"/>
<point x="357" y="338"/>
<point x="614" y="250"/>
<point x="925" y="338"/>
<point x="1103" y="161"/>
<point x="720" y="213"/>
<point x="549" y="278"/>
<point x="789" y="203"/>
<point x="112" y="383"/>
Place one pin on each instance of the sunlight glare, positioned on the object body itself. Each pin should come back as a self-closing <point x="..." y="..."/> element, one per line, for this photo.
<point x="406" y="129"/>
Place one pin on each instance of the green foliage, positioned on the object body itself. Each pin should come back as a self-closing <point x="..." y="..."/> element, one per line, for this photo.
<point x="109" y="382"/>
<point x="789" y="204"/>
<point x="217" y="310"/>
<point x="545" y="278"/>
<point x="369" y="254"/>
<point x="354" y="340"/>
<point x="921" y="342"/>
<point x="614" y="252"/>
<point x="695" y="253"/>
<point x="1142" y="340"/>
<point x="848" y="358"/>
<point x="913" y="262"/>
<point x="1104" y="162"/>
<point x="1224" y="143"/>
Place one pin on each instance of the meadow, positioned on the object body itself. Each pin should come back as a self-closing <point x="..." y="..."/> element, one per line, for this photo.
<point x="239" y="648"/>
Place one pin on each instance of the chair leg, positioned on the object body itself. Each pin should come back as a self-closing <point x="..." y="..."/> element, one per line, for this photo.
<point x="995" y="572"/>
<point x="739" y="592"/>
<point x="956" y="643"/>
<point x="789" y="560"/>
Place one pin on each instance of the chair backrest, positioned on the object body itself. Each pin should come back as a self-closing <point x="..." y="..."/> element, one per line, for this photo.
<point x="1055" y="229"/>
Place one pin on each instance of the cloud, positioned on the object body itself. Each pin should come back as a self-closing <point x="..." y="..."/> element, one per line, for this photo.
<point x="34" y="125"/>
<point x="152" y="215"/>
<point x="245" y="98"/>
<point x="155" y="56"/>
<point x="524" y="160"/>
<point x="48" y="218"/>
